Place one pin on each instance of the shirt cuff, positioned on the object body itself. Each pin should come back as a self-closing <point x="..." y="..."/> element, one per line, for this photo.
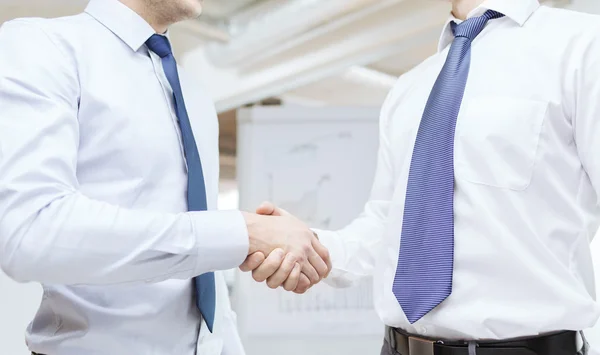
<point x="338" y="277"/>
<point x="222" y="240"/>
<point x="331" y="241"/>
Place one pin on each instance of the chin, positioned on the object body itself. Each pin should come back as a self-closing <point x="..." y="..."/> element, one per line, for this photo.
<point x="195" y="7"/>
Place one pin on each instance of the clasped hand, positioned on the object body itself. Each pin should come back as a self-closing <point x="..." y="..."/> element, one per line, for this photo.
<point x="284" y="251"/>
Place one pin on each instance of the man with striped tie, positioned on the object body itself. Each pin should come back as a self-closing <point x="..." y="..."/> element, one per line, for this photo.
<point x="109" y="171"/>
<point x="485" y="198"/>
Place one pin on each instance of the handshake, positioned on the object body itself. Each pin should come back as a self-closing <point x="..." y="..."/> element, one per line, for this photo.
<point x="284" y="251"/>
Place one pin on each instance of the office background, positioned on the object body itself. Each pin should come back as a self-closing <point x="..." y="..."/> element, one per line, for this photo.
<point x="307" y="76"/>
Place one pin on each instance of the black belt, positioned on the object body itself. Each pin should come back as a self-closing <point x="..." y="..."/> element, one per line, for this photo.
<point x="562" y="343"/>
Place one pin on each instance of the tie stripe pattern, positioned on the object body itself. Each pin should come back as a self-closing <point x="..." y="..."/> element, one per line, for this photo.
<point x="423" y="276"/>
<point x="196" y="190"/>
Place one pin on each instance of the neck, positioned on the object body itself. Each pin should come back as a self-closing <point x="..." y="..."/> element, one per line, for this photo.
<point x="147" y="13"/>
<point x="462" y="8"/>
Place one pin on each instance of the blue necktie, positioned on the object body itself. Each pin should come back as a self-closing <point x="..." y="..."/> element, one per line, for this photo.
<point x="196" y="191"/>
<point x="424" y="273"/>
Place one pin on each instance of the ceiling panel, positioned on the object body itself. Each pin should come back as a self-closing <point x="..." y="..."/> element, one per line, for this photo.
<point x="355" y="86"/>
<point x="400" y="64"/>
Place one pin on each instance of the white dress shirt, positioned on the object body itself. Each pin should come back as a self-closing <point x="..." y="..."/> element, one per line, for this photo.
<point x="93" y="188"/>
<point x="527" y="176"/>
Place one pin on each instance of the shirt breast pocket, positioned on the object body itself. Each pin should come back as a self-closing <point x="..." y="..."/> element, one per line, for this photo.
<point x="497" y="141"/>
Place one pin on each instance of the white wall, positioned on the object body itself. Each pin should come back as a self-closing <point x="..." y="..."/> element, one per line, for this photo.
<point x="18" y="304"/>
<point x="591" y="6"/>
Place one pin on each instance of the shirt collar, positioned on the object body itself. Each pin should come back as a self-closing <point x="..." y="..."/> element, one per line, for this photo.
<point x="125" y="23"/>
<point x="517" y="10"/>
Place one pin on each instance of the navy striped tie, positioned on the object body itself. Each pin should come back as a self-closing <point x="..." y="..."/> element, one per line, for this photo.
<point x="426" y="261"/>
<point x="196" y="190"/>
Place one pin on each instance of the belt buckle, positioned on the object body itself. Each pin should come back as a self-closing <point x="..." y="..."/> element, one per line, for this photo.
<point x="418" y="346"/>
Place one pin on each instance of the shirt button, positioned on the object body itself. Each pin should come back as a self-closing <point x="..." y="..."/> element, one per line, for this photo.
<point x="423" y="330"/>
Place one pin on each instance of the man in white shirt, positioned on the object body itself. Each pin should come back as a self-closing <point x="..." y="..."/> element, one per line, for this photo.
<point x="485" y="199"/>
<point x="108" y="188"/>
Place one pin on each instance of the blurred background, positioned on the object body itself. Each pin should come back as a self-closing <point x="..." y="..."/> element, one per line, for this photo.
<point x="305" y="79"/>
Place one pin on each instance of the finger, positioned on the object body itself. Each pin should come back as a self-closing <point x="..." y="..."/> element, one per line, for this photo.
<point x="252" y="261"/>
<point x="269" y="266"/>
<point x="270" y="209"/>
<point x="318" y="264"/>
<point x="292" y="281"/>
<point x="310" y="272"/>
<point x="281" y="212"/>
<point x="303" y="284"/>
<point x="323" y="253"/>
<point x="279" y="277"/>
<point x="266" y="208"/>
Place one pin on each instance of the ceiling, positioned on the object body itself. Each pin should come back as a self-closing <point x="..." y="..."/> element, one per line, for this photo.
<point x="311" y="52"/>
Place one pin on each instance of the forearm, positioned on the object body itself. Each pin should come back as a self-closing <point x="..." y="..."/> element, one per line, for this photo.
<point x="74" y="239"/>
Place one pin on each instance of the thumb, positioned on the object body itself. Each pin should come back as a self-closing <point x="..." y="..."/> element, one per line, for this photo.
<point x="267" y="208"/>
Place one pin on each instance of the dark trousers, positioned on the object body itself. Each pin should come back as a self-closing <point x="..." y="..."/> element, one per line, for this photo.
<point x="386" y="349"/>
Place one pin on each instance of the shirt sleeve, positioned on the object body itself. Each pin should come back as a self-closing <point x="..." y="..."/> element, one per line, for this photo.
<point x="355" y="248"/>
<point x="52" y="233"/>
<point x="586" y="121"/>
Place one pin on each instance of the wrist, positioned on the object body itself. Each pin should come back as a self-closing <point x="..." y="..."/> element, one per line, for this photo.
<point x="252" y="223"/>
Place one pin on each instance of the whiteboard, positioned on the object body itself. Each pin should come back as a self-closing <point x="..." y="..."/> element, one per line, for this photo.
<point x="317" y="163"/>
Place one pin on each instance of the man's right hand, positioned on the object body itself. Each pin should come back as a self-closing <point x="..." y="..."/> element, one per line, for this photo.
<point x="289" y="244"/>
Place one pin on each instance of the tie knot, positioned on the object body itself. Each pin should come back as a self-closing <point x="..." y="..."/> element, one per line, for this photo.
<point x="159" y="45"/>
<point x="473" y="26"/>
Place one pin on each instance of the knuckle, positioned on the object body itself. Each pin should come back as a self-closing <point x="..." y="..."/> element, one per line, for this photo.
<point x="323" y="269"/>
<point x="307" y="248"/>
<point x="258" y="276"/>
<point x="304" y="282"/>
<point x="301" y="290"/>
<point x="293" y="259"/>
<point x="300" y="257"/>
<point x="303" y="261"/>
<point x="289" y="285"/>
